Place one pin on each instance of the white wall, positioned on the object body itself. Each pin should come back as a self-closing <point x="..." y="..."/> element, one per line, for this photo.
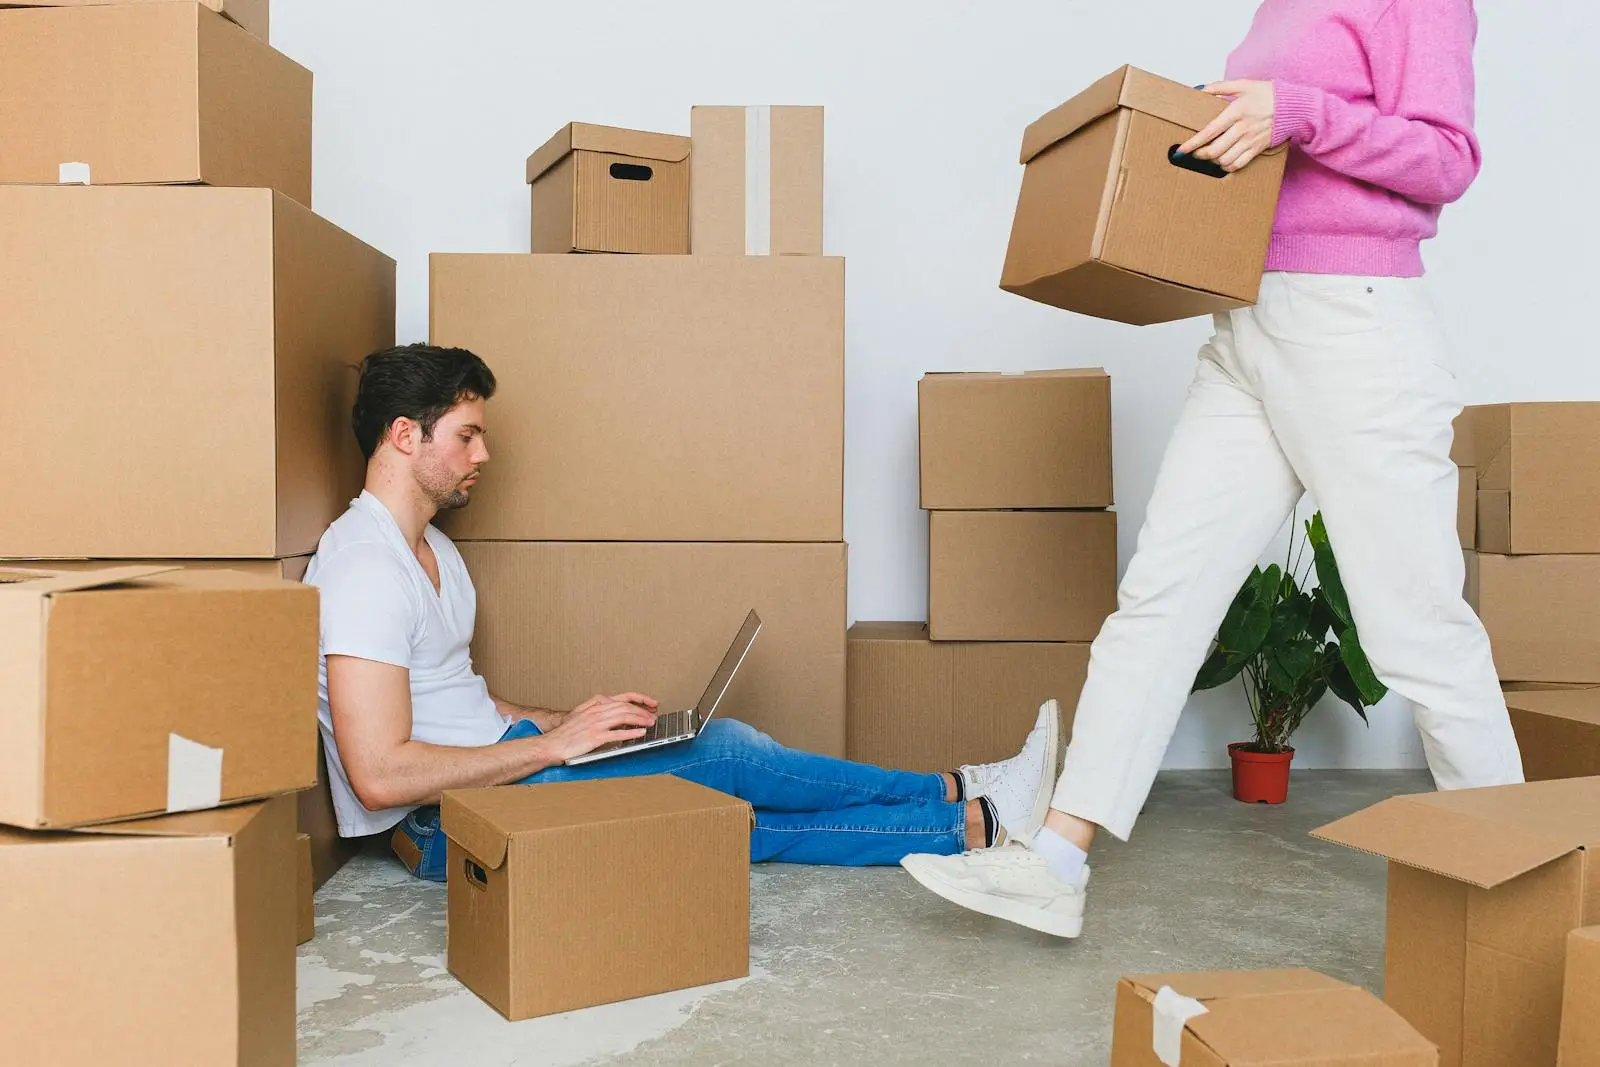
<point x="426" y="111"/>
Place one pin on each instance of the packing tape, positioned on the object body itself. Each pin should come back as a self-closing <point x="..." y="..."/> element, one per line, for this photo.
<point x="73" y="174"/>
<point x="194" y="775"/>
<point x="758" y="181"/>
<point x="1171" y="1013"/>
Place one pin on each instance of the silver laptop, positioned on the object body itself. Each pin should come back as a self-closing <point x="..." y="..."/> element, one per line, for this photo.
<point x="674" y="726"/>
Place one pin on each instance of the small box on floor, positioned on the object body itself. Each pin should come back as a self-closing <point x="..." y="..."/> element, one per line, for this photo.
<point x="1020" y="575"/>
<point x="573" y="894"/>
<point x="1041" y="439"/>
<point x="150" y="94"/>
<point x="1287" y="1018"/>
<point x="1484" y="887"/>
<point x="1109" y="224"/>
<point x="1535" y="477"/>
<point x="603" y="189"/>
<point x="1558" y="732"/>
<point x="150" y="943"/>
<point x="305" y="890"/>
<point x="253" y="15"/>
<point x="755" y="181"/>
<point x="1580" y="1001"/>
<point x="922" y="705"/>
<point x="127" y="694"/>
<point x="1542" y="614"/>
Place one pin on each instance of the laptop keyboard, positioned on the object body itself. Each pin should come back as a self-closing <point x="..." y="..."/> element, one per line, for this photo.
<point x="672" y="724"/>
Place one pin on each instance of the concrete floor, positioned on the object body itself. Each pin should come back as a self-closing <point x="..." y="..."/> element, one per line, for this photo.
<point x="859" y="966"/>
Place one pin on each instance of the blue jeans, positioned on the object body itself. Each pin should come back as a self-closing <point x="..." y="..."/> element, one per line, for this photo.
<point x="809" y="808"/>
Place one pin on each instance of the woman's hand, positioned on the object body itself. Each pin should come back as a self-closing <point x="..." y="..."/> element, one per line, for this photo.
<point x="1244" y="129"/>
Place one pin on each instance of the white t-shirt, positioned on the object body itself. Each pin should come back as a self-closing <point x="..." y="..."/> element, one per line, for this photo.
<point x="378" y="604"/>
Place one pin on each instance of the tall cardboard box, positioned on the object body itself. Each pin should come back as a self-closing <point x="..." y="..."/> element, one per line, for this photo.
<point x="1041" y="439"/>
<point x="1542" y="614"/>
<point x="561" y="621"/>
<point x="253" y="15"/>
<point x="153" y="943"/>
<point x="125" y="693"/>
<point x="922" y="705"/>
<point x="191" y="351"/>
<point x="1108" y="225"/>
<point x="1558" y="732"/>
<point x="653" y="398"/>
<point x="603" y="189"/>
<point x="1535" y="467"/>
<point x="755" y="181"/>
<point x="148" y="94"/>
<point x="1580" y="1010"/>
<point x="1287" y="1018"/>
<point x="1484" y="887"/>
<point x="1021" y="575"/>
<point x="572" y="894"/>
<point x="305" y="915"/>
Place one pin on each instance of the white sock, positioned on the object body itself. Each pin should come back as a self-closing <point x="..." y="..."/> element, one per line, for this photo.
<point x="1066" y="860"/>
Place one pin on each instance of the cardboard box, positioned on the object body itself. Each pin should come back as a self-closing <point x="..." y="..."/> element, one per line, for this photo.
<point x="154" y="943"/>
<point x="1467" y="506"/>
<point x="602" y="189"/>
<point x="1020" y="575"/>
<point x="126" y="694"/>
<point x="317" y="820"/>
<point x="191" y="353"/>
<point x="304" y="891"/>
<point x="653" y="398"/>
<point x="1558" y="731"/>
<point x="1542" y="614"/>
<point x="573" y="894"/>
<point x="1464" y="440"/>
<point x="292" y="569"/>
<point x="561" y="621"/>
<point x="1580" y="1011"/>
<point x="253" y="15"/>
<point x="1107" y="225"/>
<point x="1536" y="487"/>
<point x="755" y="181"/>
<point x="1484" y="886"/>
<point x="150" y="94"/>
<point x="1036" y="440"/>
<point x="1287" y="1018"/>
<point x="921" y="705"/>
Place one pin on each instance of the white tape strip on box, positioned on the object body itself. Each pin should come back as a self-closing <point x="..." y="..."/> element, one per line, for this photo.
<point x="73" y="174"/>
<point x="194" y="775"/>
<point x="758" y="181"/>
<point x="1171" y="1013"/>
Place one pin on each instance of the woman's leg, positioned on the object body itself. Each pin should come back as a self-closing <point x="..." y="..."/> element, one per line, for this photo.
<point x="864" y="835"/>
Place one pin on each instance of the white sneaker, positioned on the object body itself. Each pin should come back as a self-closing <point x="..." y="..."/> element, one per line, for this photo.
<point x="1020" y="788"/>
<point x="1011" y="882"/>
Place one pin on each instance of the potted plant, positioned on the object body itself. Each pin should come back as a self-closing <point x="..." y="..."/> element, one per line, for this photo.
<point x="1291" y="645"/>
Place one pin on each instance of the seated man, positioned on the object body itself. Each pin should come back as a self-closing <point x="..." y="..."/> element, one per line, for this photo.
<point x="405" y="717"/>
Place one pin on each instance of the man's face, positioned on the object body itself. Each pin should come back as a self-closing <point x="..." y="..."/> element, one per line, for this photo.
<point x="446" y="464"/>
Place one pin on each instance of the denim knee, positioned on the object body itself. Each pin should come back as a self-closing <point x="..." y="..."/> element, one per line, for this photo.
<point x="723" y="736"/>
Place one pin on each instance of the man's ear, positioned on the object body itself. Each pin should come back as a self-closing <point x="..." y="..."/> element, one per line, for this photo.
<point x="405" y="434"/>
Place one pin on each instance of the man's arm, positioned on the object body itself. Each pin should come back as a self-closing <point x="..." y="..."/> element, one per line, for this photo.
<point x="547" y="719"/>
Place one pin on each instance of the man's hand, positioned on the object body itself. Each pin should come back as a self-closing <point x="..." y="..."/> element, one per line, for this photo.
<point x="1244" y="129"/>
<point x="600" y="720"/>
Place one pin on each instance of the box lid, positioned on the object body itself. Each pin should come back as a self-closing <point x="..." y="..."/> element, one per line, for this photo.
<point x="1576" y="705"/>
<point x="40" y="582"/>
<point x="1496" y="427"/>
<point x="1127" y="87"/>
<point x="1008" y="376"/>
<point x="483" y="821"/>
<point x="585" y="137"/>
<point x="225" y="823"/>
<point x="1483" y="837"/>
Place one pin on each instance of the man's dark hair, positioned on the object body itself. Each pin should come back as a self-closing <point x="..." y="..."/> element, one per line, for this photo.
<point x="416" y="381"/>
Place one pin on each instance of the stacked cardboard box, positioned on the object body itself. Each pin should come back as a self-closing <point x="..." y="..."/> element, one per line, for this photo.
<point x="1016" y="478"/>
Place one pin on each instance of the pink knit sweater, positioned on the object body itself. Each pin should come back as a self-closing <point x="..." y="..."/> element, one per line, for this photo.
<point x="1375" y="98"/>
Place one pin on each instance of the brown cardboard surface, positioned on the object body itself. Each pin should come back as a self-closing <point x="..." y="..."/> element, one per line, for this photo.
<point x="585" y="201"/>
<point x="1106" y="226"/>
<point x="1492" y="521"/>
<point x="1021" y="575"/>
<point x="247" y="311"/>
<point x="1036" y="440"/>
<point x="1542" y="614"/>
<point x="573" y="894"/>
<point x="1464" y="440"/>
<point x="1558" y="732"/>
<point x="102" y="668"/>
<point x="561" y="621"/>
<point x="304" y="891"/>
<point x="253" y="15"/>
<point x="653" y="398"/>
<point x="206" y="973"/>
<point x="151" y="94"/>
<point x="317" y="819"/>
<point x="1467" y="506"/>
<point x="1535" y="473"/>
<point x="292" y="569"/>
<point x="922" y="705"/>
<point x="1284" y="1018"/>
<point x="1484" y="886"/>
<point x="1580" y="1011"/>
<point x="720" y="171"/>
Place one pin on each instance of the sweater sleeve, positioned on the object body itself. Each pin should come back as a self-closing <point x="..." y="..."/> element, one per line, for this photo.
<point x="1415" y="137"/>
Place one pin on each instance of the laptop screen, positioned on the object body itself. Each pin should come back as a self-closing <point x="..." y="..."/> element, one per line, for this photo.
<point x="727" y="668"/>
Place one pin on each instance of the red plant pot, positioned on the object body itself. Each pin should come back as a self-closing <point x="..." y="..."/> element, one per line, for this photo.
<point x="1260" y="777"/>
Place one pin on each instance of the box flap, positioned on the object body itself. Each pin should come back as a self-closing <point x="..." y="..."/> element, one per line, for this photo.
<point x="1128" y="87"/>
<point x="1211" y="985"/>
<point x="50" y="582"/>
<point x="996" y="375"/>
<point x="216" y="822"/>
<point x="586" y="137"/>
<point x="1311" y="1026"/>
<point x="474" y="830"/>
<point x="1576" y="705"/>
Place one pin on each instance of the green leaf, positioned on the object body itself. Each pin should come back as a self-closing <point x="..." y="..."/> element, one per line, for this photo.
<point x="1289" y="665"/>
<point x="1343" y="687"/>
<point x="1291" y="620"/>
<point x="1323" y="619"/>
<point x="1328" y="579"/>
<point x="1219" y="668"/>
<point x="1361" y="673"/>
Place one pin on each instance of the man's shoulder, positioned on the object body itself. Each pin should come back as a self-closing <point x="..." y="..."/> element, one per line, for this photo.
<point x="354" y="544"/>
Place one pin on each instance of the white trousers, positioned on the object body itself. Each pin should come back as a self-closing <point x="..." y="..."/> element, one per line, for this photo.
<point x="1342" y="386"/>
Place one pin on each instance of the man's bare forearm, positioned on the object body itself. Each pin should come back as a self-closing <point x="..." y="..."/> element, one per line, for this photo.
<point x="418" y="773"/>
<point x="546" y="719"/>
